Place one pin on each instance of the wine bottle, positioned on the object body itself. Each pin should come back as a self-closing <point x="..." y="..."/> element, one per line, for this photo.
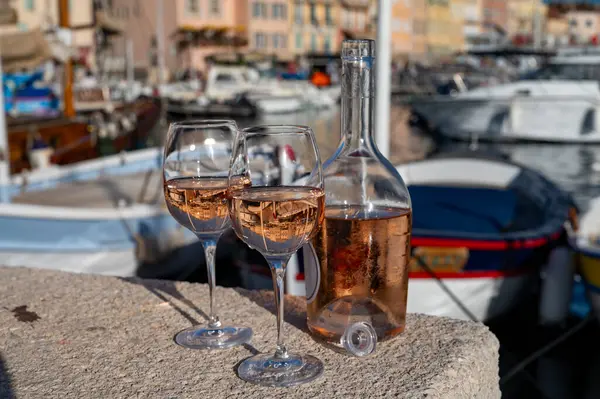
<point x="356" y="267"/>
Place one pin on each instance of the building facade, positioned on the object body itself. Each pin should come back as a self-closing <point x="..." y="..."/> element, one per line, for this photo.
<point x="402" y="27"/>
<point x="495" y="13"/>
<point x="584" y="26"/>
<point x="315" y="26"/>
<point x="355" y="19"/>
<point x="269" y="27"/>
<point x="138" y="20"/>
<point x="419" y="29"/>
<point x="444" y="29"/>
<point x="44" y="15"/>
<point x="470" y="12"/>
<point x="204" y="20"/>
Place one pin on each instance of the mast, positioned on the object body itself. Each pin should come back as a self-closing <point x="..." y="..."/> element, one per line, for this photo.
<point x="69" y="111"/>
<point x="4" y="150"/>
<point x="160" y="40"/>
<point x="383" y="74"/>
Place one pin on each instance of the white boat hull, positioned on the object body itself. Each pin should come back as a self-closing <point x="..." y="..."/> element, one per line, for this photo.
<point x="277" y="105"/>
<point x="113" y="238"/>
<point x="547" y="113"/>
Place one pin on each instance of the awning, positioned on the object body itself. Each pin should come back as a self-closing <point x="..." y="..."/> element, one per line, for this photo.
<point x="108" y="24"/>
<point x="356" y="3"/>
<point x="8" y="16"/>
<point x="24" y="50"/>
<point x="210" y="35"/>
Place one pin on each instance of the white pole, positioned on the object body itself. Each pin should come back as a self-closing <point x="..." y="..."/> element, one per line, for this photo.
<point x="383" y="76"/>
<point x="160" y="40"/>
<point x="4" y="154"/>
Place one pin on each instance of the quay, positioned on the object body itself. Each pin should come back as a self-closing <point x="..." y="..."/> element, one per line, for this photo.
<point x="66" y="335"/>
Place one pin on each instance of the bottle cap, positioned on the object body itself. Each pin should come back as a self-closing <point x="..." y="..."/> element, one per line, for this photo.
<point x="360" y="339"/>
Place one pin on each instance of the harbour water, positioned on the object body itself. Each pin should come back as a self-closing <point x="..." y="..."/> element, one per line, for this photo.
<point x="570" y="369"/>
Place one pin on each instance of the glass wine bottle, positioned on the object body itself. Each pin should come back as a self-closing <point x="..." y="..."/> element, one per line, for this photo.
<point x="356" y="267"/>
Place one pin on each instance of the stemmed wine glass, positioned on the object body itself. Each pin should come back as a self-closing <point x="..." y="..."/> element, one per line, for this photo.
<point x="195" y="171"/>
<point x="277" y="214"/>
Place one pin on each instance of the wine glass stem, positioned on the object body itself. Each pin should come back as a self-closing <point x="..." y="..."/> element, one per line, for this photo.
<point x="278" y="266"/>
<point x="210" y="249"/>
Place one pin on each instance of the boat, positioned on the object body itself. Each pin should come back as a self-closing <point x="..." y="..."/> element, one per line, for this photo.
<point x="95" y="124"/>
<point x="89" y="135"/>
<point x="103" y="216"/>
<point x="559" y="103"/>
<point x="225" y="83"/>
<point x="483" y="229"/>
<point x="586" y="244"/>
<point x="237" y="108"/>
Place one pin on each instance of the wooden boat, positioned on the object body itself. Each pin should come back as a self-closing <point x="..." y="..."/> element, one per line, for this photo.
<point x="483" y="228"/>
<point x="103" y="216"/>
<point x="81" y="138"/>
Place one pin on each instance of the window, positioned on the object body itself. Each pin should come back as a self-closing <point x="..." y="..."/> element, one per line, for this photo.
<point x="30" y="5"/>
<point x="313" y="43"/>
<point x="256" y="9"/>
<point x="298" y="14"/>
<point x="136" y="8"/>
<point x="193" y="6"/>
<point x="215" y="7"/>
<point x="327" y="44"/>
<point x="313" y="14"/>
<point x="283" y="41"/>
<point x="279" y="11"/>
<point x="224" y="78"/>
<point x="573" y="22"/>
<point x="328" y="19"/>
<point x="263" y="10"/>
<point x="260" y="40"/>
<point x="299" y="40"/>
<point x="279" y="41"/>
<point x="589" y="23"/>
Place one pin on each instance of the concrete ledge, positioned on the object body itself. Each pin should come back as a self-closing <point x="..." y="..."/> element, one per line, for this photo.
<point x="103" y="337"/>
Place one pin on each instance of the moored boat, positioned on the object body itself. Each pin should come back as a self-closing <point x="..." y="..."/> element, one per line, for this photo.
<point x="559" y="103"/>
<point x="483" y="228"/>
<point x="586" y="243"/>
<point x="104" y="216"/>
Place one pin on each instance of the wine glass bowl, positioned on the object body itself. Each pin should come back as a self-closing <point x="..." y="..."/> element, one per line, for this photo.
<point x="276" y="215"/>
<point x="196" y="186"/>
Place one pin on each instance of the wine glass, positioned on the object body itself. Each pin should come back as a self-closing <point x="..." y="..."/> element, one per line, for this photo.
<point x="195" y="171"/>
<point x="277" y="214"/>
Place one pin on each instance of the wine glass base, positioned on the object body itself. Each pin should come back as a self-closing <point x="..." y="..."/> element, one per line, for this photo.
<point x="275" y="372"/>
<point x="213" y="338"/>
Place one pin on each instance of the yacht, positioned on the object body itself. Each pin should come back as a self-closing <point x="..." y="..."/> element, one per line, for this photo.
<point x="560" y="102"/>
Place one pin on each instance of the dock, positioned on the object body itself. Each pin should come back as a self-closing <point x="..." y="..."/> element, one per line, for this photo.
<point x="68" y="335"/>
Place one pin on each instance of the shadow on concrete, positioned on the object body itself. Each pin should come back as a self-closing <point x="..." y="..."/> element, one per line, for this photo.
<point x="162" y="289"/>
<point x="294" y="307"/>
<point x="6" y="391"/>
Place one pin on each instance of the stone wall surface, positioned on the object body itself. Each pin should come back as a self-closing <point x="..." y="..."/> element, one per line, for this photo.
<point x="79" y="336"/>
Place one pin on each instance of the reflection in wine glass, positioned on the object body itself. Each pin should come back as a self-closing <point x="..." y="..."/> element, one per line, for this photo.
<point x="276" y="215"/>
<point x="196" y="168"/>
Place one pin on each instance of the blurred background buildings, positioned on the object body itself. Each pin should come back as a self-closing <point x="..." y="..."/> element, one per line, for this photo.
<point x="193" y="29"/>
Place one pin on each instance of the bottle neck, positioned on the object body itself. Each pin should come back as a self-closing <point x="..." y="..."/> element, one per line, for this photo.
<point x="358" y="103"/>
